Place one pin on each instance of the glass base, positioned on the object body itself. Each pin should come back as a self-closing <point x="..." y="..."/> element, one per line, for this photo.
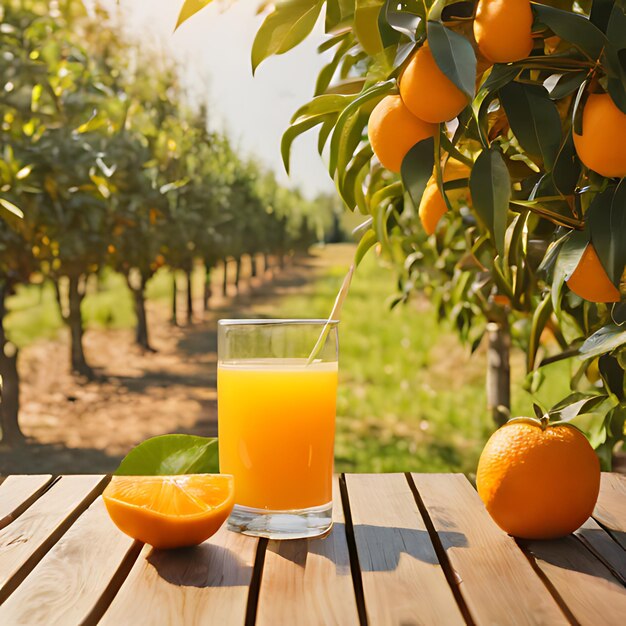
<point x="296" y="524"/>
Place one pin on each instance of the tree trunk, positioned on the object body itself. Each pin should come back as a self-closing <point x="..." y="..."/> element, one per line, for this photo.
<point x="499" y="371"/>
<point x="208" y="292"/>
<point x="254" y="270"/>
<point x="10" y="387"/>
<point x="266" y="262"/>
<point x="75" y="321"/>
<point x="225" y="279"/>
<point x="189" y="298"/>
<point x="238" y="273"/>
<point x="138" y="289"/>
<point x="174" y="299"/>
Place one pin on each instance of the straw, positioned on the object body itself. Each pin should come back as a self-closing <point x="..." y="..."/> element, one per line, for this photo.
<point x="334" y="315"/>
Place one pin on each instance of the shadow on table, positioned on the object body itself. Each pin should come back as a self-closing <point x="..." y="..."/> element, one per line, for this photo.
<point x="206" y="565"/>
<point x="567" y="553"/>
<point x="380" y="548"/>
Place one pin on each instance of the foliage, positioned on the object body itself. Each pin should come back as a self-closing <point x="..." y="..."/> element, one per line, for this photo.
<point x="535" y="207"/>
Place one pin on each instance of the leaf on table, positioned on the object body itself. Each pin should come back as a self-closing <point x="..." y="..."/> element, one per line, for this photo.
<point x="168" y="455"/>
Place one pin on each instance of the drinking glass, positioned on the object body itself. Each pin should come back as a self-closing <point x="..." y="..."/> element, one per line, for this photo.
<point x="276" y="423"/>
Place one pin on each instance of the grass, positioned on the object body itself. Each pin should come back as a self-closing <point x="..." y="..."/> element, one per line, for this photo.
<point x="34" y="313"/>
<point x="410" y="398"/>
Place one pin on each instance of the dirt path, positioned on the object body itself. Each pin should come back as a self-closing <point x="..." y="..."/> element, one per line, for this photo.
<point x="86" y="427"/>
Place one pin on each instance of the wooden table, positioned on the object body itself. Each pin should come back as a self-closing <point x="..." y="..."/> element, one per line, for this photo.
<point x="405" y="549"/>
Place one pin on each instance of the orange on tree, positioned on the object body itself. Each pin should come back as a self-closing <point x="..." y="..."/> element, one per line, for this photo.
<point x="590" y="281"/>
<point x="502" y="29"/>
<point x="602" y="144"/>
<point x="538" y="481"/>
<point x="427" y="92"/>
<point x="170" y="511"/>
<point x="393" y="130"/>
<point x="432" y="205"/>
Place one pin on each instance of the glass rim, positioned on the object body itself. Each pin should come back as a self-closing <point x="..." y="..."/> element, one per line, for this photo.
<point x="277" y="322"/>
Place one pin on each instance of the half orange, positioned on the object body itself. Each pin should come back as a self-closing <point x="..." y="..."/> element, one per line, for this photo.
<point x="170" y="511"/>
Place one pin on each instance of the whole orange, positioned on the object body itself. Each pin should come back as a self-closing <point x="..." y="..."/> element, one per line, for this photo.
<point x="590" y="281"/>
<point x="502" y="29"/>
<point x="427" y="92"/>
<point x="433" y="206"/>
<point x="538" y="481"/>
<point x="393" y="130"/>
<point x="602" y="145"/>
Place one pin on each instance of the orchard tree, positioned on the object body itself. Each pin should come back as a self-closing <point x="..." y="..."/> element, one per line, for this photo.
<point x="483" y="141"/>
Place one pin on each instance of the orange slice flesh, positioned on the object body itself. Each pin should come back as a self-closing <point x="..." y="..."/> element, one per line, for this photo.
<point x="170" y="511"/>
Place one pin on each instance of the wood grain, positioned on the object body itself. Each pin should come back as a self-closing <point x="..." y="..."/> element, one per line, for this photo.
<point x="67" y="583"/>
<point x="604" y="547"/>
<point x="24" y="542"/>
<point x="592" y="594"/>
<point x="610" y="509"/>
<point x="479" y="551"/>
<point x="308" y="582"/>
<point x="403" y="582"/>
<point x="207" y="584"/>
<point x="17" y="493"/>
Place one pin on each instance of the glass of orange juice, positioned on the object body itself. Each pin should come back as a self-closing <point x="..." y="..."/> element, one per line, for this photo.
<point x="276" y="424"/>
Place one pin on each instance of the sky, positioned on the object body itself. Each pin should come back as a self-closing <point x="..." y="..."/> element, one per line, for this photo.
<point x="213" y="51"/>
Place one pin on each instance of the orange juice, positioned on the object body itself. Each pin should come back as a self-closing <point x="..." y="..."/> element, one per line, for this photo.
<point x="277" y="431"/>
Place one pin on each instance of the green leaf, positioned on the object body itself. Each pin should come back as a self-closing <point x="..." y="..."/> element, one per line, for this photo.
<point x="284" y="28"/>
<point x="566" y="168"/>
<point x="490" y="186"/>
<point x="540" y="319"/>
<point x="348" y="183"/>
<point x="11" y="208"/>
<point x="168" y="455"/>
<point x="600" y="13"/>
<point x="346" y="116"/>
<point x="417" y="168"/>
<point x="297" y="129"/>
<point x="567" y="84"/>
<point x="189" y="8"/>
<point x="569" y="256"/>
<point x="454" y="55"/>
<point x="366" y="242"/>
<point x="534" y="119"/>
<point x="606" y="339"/>
<point x="572" y="27"/>
<point x="606" y="217"/>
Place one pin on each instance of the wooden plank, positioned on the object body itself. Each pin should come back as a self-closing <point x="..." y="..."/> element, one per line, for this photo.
<point x="604" y="547"/>
<point x="206" y="584"/>
<point x="403" y="582"/>
<point x="69" y="581"/>
<point x="24" y="542"/>
<point x="592" y="594"/>
<point x="610" y="509"/>
<point x="17" y="493"/>
<point x="479" y="551"/>
<point x="308" y="582"/>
